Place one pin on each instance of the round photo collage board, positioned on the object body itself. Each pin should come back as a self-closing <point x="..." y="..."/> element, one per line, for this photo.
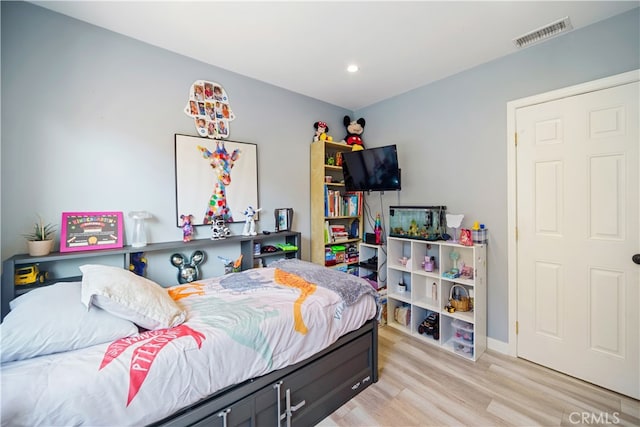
<point x="209" y="106"/>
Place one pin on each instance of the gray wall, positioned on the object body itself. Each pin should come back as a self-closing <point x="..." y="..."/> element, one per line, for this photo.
<point x="451" y="135"/>
<point x="88" y="118"/>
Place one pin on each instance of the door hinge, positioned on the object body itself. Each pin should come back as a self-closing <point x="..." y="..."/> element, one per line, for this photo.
<point x="515" y="139"/>
<point x="517" y="327"/>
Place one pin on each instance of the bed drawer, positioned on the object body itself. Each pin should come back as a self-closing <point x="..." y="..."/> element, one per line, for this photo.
<point x="315" y="389"/>
<point x="320" y="387"/>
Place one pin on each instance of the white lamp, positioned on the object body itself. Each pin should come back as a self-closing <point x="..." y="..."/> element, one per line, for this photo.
<point x="139" y="238"/>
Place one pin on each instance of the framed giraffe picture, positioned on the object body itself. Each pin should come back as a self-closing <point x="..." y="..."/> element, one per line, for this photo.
<point x="215" y="178"/>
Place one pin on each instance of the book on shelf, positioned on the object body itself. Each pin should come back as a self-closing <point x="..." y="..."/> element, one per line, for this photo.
<point x="338" y="204"/>
<point x="338" y="232"/>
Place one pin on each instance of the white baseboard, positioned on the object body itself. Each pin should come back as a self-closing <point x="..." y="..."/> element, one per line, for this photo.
<point x="499" y="346"/>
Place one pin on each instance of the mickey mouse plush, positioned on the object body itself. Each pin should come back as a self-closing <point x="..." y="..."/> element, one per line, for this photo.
<point x="354" y="130"/>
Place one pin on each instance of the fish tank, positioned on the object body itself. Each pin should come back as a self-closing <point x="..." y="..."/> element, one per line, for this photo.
<point x="418" y="222"/>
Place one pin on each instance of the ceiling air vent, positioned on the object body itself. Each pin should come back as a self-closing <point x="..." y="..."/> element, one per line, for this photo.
<point x="543" y="33"/>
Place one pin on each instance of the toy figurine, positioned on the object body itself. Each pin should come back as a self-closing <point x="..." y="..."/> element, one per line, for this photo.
<point x="137" y="263"/>
<point x="188" y="270"/>
<point x="219" y="229"/>
<point x="250" y="222"/>
<point x="231" y="266"/>
<point x="321" y="132"/>
<point x="430" y="326"/>
<point x="187" y="227"/>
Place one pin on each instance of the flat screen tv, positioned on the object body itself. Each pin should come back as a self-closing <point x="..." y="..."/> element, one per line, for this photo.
<point x="371" y="169"/>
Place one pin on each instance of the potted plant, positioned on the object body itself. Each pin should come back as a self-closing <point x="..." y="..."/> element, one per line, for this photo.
<point x="40" y="240"/>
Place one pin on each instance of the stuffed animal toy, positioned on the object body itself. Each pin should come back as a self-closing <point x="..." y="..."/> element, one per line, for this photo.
<point x="188" y="270"/>
<point x="354" y="131"/>
<point x="250" y="222"/>
<point x="320" y="127"/>
<point x="187" y="227"/>
<point x="137" y="263"/>
<point x="321" y="132"/>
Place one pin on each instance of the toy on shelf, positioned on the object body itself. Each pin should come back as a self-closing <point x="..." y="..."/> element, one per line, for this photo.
<point x="431" y="326"/>
<point x="188" y="270"/>
<point x="429" y="263"/>
<point x="187" y="227"/>
<point x="454" y="272"/>
<point x="250" y="221"/>
<point x="219" y="229"/>
<point x="354" y="132"/>
<point x="231" y="266"/>
<point x="286" y="247"/>
<point x="321" y="132"/>
<point x="465" y="237"/>
<point x="29" y="275"/>
<point x="137" y="263"/>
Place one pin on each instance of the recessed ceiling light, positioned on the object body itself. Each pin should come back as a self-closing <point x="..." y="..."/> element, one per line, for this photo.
<point x="352" y="68"/>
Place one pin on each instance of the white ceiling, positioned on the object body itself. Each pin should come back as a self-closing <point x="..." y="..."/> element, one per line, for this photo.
<point x="305" y="46"/>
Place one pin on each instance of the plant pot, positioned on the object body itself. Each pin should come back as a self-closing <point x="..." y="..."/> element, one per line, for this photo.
<point x="39" y="247"/>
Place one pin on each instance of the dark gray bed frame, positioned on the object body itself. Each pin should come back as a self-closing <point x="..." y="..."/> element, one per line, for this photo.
<point x="301" y="395"/>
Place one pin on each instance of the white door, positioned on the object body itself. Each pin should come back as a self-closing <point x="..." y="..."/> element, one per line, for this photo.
<point x="578" y="227"/>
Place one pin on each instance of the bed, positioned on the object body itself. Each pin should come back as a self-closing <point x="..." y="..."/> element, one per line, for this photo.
<point x="284" y="345"/>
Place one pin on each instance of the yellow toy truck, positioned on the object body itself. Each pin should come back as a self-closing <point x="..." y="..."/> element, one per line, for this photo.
<point x="29" y="275"/>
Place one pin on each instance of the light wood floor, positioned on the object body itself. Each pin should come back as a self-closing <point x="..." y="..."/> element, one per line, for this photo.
<point x="423" y="385"/>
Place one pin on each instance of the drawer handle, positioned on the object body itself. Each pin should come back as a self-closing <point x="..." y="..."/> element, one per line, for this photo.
<point x="292" y="409"/>
<point x="223" y="414"/>
<point x="284" y="414"/>
<point x="355" y="386"/>
<point x="367" y="379"/>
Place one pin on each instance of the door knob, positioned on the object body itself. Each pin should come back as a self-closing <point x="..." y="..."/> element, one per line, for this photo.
<point x="636" y="258"/>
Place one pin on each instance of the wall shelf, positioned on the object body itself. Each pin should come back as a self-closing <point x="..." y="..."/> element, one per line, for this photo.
<point x="247" y="243"/>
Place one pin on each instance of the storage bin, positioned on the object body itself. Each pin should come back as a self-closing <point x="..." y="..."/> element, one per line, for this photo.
<point x="417" y="222"/>
<point x="479" y="236"/>
<point x="402" y="315"/>
<point x="463" y="331"/>
<point x="463" y="348"/>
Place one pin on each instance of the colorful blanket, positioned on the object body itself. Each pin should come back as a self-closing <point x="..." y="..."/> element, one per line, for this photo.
<point x="239" y="326"/>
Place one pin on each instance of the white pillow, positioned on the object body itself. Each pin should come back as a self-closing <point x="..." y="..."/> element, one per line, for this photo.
<point x="52" y="319"/>
<point x="132" y="297"/>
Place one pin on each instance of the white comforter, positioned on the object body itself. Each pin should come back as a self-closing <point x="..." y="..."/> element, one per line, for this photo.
<point x="238" y="327"/>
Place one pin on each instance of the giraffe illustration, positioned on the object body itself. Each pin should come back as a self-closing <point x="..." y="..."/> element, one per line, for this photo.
<point x="221" y="162"/>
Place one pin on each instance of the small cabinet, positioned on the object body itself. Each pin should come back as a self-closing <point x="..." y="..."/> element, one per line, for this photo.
<point x="420" y="284"/>
<point x="372" y="262"/>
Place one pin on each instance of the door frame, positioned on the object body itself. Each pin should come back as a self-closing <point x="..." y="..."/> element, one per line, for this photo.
<point x="512" y="216"/>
